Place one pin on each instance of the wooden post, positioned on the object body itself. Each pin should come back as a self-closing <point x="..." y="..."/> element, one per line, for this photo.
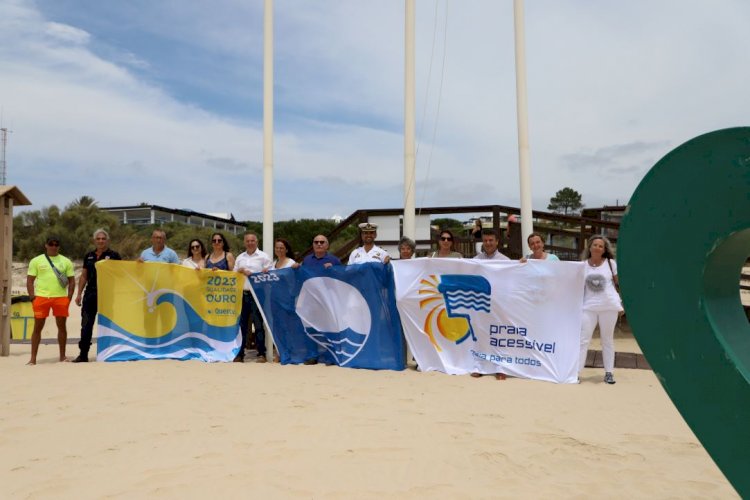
<point x="6" y="257"/>
<point x="8" y="194"/>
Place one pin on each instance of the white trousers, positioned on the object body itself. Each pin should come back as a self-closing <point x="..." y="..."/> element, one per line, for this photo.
<point x="607" y="321"/>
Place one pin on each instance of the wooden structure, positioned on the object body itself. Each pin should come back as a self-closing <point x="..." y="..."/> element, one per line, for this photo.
<point x="9" y="196"/>
<point x="565" y="234"/>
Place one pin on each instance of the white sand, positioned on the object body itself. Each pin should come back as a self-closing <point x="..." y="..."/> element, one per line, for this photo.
<point x="169" y="429"/>
<point x="173" y="429"/>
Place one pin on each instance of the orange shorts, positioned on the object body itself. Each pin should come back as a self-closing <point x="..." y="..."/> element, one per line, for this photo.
<point x="59" y="306"/>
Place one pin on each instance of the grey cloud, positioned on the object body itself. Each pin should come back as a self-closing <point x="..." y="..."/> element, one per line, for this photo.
<point x="231" y="165"/>
<point x="134" y="167"/>
<point x="617" y="158"/>
<point x="632" y="169"/>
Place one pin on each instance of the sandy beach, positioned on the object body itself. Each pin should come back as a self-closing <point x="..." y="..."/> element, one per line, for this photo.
<point x="169" y="429"/>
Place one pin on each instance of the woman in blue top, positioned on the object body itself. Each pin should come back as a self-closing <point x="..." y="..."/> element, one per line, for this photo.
<point x="220" y="256"/>
<point x="536" y="245"/>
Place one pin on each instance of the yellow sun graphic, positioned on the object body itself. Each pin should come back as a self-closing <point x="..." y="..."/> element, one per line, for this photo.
<point x="133" y="300"/>
<point x="452" y="329"/>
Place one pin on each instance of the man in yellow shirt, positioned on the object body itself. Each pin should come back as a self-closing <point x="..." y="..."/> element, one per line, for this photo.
<point x="44" y="281"/>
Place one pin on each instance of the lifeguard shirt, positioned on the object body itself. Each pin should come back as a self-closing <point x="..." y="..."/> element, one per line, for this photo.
<point x="46" y="284"/>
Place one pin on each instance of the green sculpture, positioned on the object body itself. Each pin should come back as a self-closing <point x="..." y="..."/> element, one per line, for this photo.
<point x="681" y="248"/>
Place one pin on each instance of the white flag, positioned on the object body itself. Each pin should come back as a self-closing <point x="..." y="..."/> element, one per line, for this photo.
<point x="464" y="316"/>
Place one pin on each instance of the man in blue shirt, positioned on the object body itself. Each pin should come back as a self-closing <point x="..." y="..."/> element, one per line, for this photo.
<point x="159" y="251"/>
<point x="320" y="256"/>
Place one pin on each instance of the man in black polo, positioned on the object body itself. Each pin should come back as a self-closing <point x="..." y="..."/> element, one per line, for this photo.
<point x="88" y="278"/>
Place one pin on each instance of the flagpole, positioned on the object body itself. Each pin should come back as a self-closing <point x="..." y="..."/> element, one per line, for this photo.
<point x="409" y="228"/>
<point x="268" y="141"/>
<point x="524" y="169"/>
<point x="410" y="159"/>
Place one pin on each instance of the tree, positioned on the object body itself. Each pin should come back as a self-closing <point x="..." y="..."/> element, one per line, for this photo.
<point x="566" y="201"/>
<point x="74" y="226"/>
<point x="82" y="202"/>
<point x="442" y="223"/>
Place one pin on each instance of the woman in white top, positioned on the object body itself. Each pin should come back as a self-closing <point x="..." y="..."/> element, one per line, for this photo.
<point x="283" y="251"/>
<point x="196" y="258"/>
<point x="536" y="245"/>
<point x="601" y="302"/>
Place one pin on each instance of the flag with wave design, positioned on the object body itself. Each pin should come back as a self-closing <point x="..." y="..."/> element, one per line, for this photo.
<point x="345" y="315"/>
<point x="163" y="311"/>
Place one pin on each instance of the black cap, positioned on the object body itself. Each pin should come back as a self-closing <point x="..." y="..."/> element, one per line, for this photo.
<point x="50" y="239"/>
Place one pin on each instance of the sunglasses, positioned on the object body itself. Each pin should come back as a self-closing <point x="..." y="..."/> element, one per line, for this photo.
<point x="195" y="246"/>
<point x="446" y="238"/>
<point x="217" y="240"/>
<point x="53" y="244"/>
<point x="319" y="242"/>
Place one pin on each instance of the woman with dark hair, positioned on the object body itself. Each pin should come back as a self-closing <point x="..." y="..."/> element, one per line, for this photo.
<point x="476" y="234"/>
<point x="445" y="246"/>
<point x="220" y="256"/>
<point x="196" y="255"/>
<point x="284" y="255"/>
<point x="601" y="302"/>
<point x="536" y="245"/>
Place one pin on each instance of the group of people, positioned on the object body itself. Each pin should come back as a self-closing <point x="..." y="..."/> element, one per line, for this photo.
<point x="601" y="298"/>
<point x="51" y="279"/>
<point x="50" y="284"/>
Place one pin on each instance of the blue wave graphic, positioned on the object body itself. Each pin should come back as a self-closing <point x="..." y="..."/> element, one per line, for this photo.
<point x="343" y="345"/>
<point x="190" y="338"/>
<point x="456" y="300"/>
<point x="467" y="294"/>
<point x="465" y="291"/>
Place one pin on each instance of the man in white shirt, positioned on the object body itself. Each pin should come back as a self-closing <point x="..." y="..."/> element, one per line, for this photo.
<point x="249" y="262"/>
<point x="369" y="251"/>
<point x="489" y="247"/>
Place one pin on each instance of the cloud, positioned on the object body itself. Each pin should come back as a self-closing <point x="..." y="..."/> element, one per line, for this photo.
<point x="111" y="101"/>
<point x="230" y="165"/>
<point x="65" y="33"/>
<point x="612" y="158"/>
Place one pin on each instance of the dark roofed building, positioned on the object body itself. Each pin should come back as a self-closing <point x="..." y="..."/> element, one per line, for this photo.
<point x="155" y="214"/>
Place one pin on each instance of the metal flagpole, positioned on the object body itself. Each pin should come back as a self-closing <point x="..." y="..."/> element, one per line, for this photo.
<point x="268" y="140"/>
<point x="409" y="122"/>
<point x="409" y="229"/>
<point x="524" y="168"/>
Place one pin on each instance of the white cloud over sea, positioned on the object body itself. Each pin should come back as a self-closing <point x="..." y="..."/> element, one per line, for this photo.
<point x="161" y="102"/>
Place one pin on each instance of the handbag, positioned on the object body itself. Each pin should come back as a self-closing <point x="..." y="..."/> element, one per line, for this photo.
<point x="621" y="313"/>
<point x="61" y="278"/>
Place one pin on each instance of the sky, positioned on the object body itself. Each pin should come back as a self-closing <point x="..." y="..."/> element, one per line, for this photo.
<point x="162" y="102"/>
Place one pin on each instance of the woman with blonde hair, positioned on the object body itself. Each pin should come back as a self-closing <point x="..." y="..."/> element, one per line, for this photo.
<point x="601" y="301"/>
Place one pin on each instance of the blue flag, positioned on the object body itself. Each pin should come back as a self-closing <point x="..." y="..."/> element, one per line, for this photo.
<point x="344" y="315"/>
